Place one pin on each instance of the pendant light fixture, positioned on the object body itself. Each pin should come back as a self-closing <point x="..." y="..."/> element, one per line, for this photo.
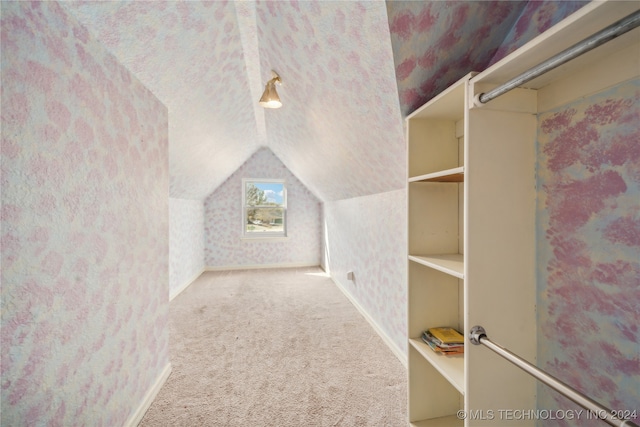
<point x="270" y="98"/>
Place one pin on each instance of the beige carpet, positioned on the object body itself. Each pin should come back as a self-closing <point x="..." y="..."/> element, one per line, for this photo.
<point x="275" y="348"/>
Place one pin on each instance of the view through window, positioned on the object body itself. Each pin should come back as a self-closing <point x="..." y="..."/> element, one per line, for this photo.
<point x="264" y="204"/>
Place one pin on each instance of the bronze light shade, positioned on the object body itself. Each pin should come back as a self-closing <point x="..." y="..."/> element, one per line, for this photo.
<point x="270" y="98"/>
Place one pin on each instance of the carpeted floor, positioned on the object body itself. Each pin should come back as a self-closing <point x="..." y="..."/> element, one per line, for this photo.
<point x="275" y="348"/>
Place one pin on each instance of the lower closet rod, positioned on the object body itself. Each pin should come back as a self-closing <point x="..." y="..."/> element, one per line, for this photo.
<point x="478" y="336"/>
<point x="601" y="37"/>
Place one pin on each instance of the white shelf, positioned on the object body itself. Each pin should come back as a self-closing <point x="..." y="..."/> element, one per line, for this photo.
<point x="437" y="146"/>
<point x="493" y="149"/>
<point x="452" y="264"/>
<point x="451" y="367"/>
<point x="445" y="105"/>
<point x="449" y="175"/>
<point x="449" y="421"/>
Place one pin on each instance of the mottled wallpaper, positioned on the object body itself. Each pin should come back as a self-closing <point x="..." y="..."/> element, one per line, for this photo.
<point x="92" y="246"/>
<point x="190" y="55"/>
<point x="589" y="248"/>
<point x="186" y="243"/>
<point x="435" y="43"/>
<point x="536" y="17"/>
<point x="223" y="221"/>
<point x="340" y="128"/>
<point x="368" y="235"/>
<point x="84" y="226"/>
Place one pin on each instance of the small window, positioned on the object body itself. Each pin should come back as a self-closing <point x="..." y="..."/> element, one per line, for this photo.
<point x="264" y="208"/>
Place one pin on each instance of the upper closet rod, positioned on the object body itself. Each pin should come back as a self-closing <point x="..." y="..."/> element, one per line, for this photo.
<point x="601" y="37"/>
<point x="478" y="336"/>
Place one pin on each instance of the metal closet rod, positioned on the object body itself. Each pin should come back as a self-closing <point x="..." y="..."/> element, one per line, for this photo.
<point x="478" y="336"/>
<point x="601" y="37"/>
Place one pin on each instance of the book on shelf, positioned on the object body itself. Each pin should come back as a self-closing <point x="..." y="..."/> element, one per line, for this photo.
<point x="444" y="340"/>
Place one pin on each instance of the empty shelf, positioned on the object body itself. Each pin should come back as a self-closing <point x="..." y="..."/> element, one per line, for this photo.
<point x="452" y="264"/>
<point x="449" y="175"/>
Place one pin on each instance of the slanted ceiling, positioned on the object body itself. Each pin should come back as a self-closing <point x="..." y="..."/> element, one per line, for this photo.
<point x="351" y="71"/>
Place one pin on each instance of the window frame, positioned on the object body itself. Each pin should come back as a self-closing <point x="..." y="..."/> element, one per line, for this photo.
<point x="263" y="234"/>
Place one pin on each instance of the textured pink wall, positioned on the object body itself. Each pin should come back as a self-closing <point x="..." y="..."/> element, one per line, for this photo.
<point x="589" y="248"/>
<point x="223" y="220"/>
<point x="536" y="18"/>
<point x="84" y="226"/>
<point x="367" y="235"/>
<point x="435" y="43"/>
<point x="186" y="242"/>
<point x="340" y="128"/>
<point x="190" y="55"/>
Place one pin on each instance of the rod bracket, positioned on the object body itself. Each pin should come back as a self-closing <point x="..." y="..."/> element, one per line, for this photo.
<point x="476" y="334"/>
<point x="477" y="100"/>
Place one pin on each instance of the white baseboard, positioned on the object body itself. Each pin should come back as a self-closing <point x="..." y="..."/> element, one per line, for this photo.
<point x="142" y="409"/>
<point x="184" y="286"/>
<point x="388" y="341"/>
<point x="258" y="266"/>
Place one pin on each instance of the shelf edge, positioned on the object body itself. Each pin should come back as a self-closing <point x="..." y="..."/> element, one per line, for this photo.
<point x="431" y="357"/>
<point x="434" y="177"/>
<point x="431" y="262"/>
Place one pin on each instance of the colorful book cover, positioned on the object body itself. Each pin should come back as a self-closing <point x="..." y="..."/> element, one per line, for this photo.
<point x="447" y="335"/>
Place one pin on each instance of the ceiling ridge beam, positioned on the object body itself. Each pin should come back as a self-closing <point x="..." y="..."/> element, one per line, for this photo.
<point x="248" y="28"/>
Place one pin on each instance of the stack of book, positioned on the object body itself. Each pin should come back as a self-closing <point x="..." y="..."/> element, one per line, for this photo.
<point x="444" y="340"/>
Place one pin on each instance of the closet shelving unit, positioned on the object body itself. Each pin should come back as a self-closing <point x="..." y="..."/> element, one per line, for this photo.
<point x="471" y="217"/>
<point x="436" y="165"/>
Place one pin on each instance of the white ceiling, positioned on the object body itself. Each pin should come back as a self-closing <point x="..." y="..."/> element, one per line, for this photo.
<point x="340" y="130"/>
<point x="351" y="71"/>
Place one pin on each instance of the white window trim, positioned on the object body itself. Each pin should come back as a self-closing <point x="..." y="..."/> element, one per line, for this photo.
<point x="265" y="235"/>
